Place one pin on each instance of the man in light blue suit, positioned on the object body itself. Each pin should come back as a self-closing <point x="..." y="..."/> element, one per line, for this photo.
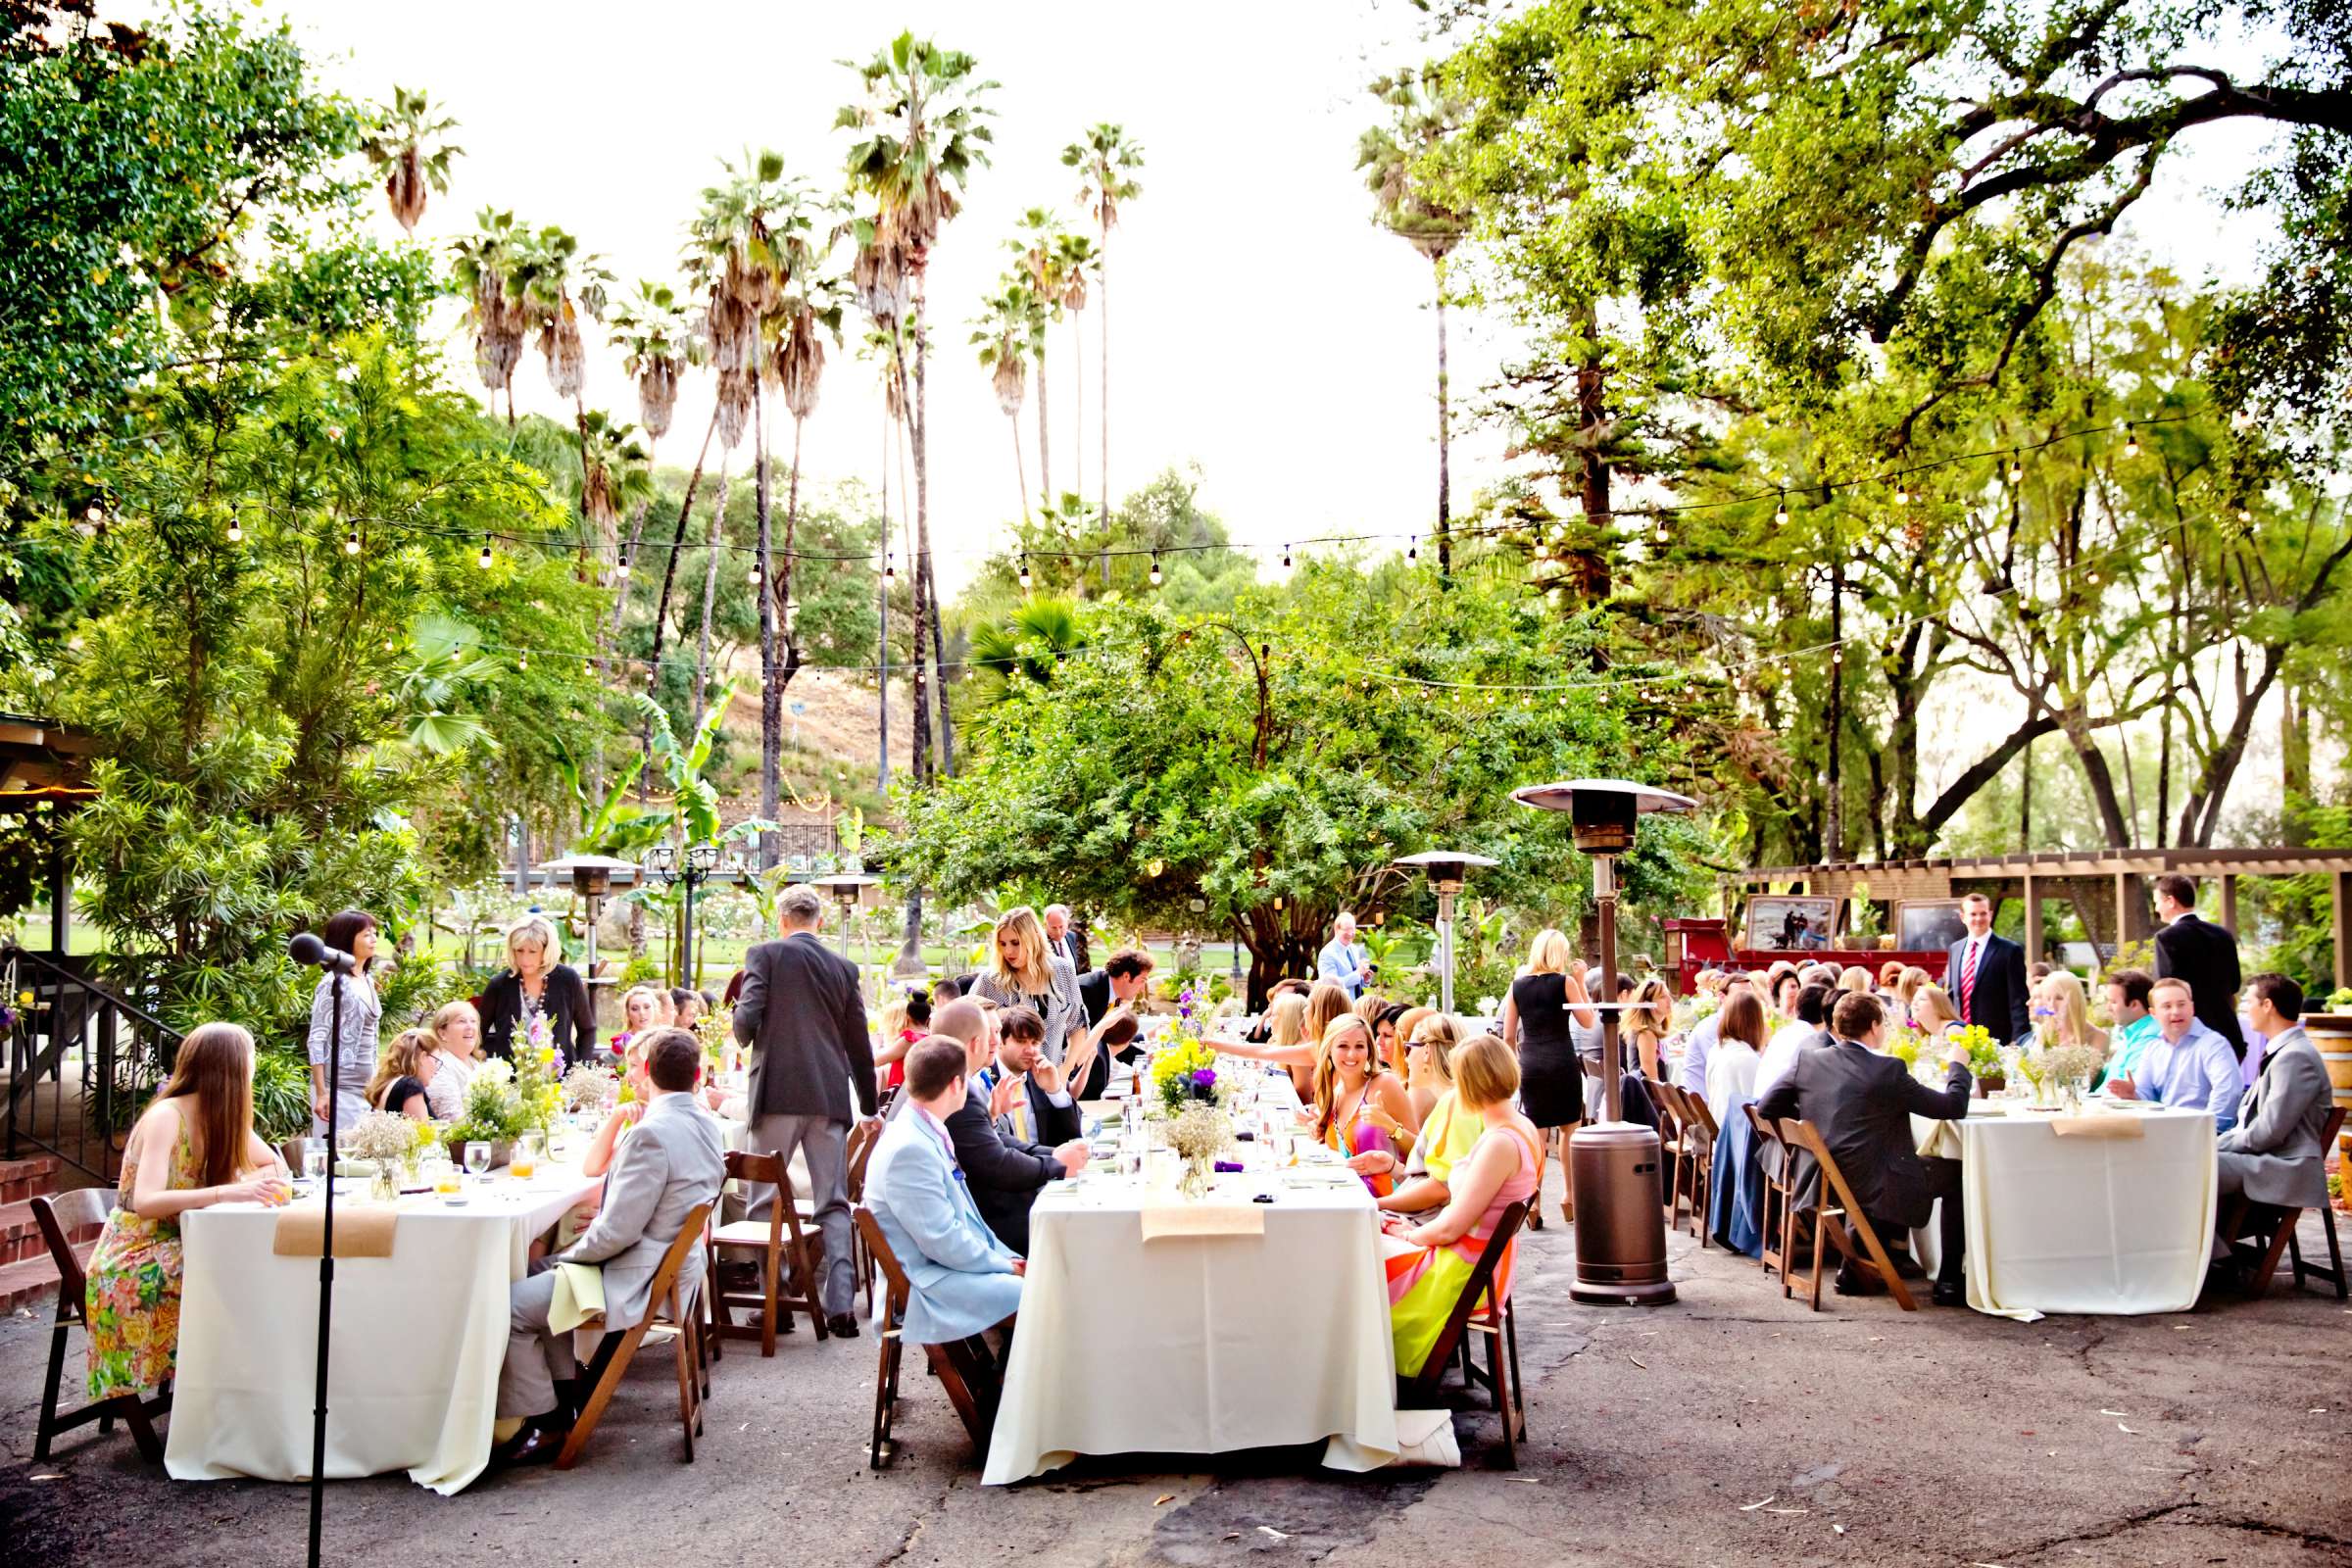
<point x="963" y="1281"/>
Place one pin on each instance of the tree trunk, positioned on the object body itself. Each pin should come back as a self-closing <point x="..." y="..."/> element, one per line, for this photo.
<point x="1103" y="364"/>
<point x="922" y="507"/>
<point x="1444" y="448"/>
<point x="2025" y="804"/>
<point x="1078" y="407"/>
<point x="620" y="588"/>
<point x="1833" y="805"/>
<point x="921" y="734"/>
<point x="771" y="841"/>
<point x="1020" y="467"/>
<point x="882" y="622"/>
<point x="677" y="537"/>
<point x="1045" y="439"/>
<point x="771" y="684"/>
<point x="2201" y="811"/>
<point x="2098" y="775"/>
<point x="2164" y="772"/>
<point x="2294" y="766"/>
<point x="718" y="532"/>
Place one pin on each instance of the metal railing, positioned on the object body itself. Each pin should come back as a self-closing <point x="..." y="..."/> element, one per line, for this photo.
<point x="81" y="1064"/>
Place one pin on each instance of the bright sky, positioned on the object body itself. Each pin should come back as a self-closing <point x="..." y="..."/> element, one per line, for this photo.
<point x="1261" y="326"/>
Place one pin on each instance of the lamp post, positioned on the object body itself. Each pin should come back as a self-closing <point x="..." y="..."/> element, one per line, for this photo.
<point x="591" y="878"/>
<point x="1446" y="870"/>
<point x="845" y="889"/>
<point x="693" y="868"/>
<point x="1621" y="1225"/>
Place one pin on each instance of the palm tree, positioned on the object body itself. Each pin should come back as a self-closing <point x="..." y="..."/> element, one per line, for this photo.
<point x="920" y="133"/>
<point x="1074" y="256"/>
<point x="1404" y="202"/>
<point x="656" y="342"/>
<point x="1037" y="249"/>
<point x="557" y="284"/>
<point x="400" y="139"/>
<point x="1009" y="322"/>
<point x="495" y="314"/>
<point x="1032" y="646"/>
<point x="1107" y="160"/>
<point x="615" y="472"/>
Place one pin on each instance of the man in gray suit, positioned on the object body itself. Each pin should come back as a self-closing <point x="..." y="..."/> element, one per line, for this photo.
<point x="2274" y="1153"/>
<point x="805" y="1017"/>
<point x="670" y="1163"/>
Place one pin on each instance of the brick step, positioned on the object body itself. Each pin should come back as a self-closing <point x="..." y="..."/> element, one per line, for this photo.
<point x="27" y="1283"/>
<point x="21" y="1179"/>
<point x="19" y="1234"/>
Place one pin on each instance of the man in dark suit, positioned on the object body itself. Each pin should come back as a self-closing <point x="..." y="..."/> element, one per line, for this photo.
<point x="1027" y="1098"/>
<point x="1862" y="1103"/>
<point x="804" y="1017"/>
<point x="1005" y="1174"/>
<point x="2193" y="948"/>
<point x="1985" y="975"/>
<point x="1066" y="937"/>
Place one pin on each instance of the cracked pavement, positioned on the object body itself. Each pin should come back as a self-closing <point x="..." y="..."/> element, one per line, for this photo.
<point x="1729" y="1427"/>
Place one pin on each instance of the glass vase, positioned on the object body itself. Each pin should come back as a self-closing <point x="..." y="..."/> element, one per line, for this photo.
<point x="1198" y="1173"/>
<point x="385" y="1189"/>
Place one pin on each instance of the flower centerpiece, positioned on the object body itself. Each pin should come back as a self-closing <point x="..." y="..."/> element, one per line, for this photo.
<point x="714" y="1031"/>
<point x="2068" y="1069"/>
<point x="591" y="1087"/>
<point x="1983" y="1058"/>
<point x="495" y="1111"/>
<point x="386" y="1139"/>
<point x="1185" y="1074"/>
<point x="1199" y="1133"/>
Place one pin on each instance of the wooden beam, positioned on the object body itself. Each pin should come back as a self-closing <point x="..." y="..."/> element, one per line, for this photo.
<point x="2033" y="920"/>
<point x="2229" y="902"/>
<point x="2341" y="918"/>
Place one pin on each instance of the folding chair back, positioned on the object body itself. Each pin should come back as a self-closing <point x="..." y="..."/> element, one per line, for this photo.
<point x="614" y="1352"/>
<point x="1778" y="1220"/>
<point x="1482" y="1308"/>
<point x="1829" y="1232"/>
<point x="2333" y="1273"/>
<point x="971" y="1379"/>
<point x="70" y="1223"/>
<point x="1663" y="1096"/>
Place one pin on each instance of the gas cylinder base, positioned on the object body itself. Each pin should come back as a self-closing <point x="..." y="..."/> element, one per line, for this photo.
<point x="1621" y="1293"/>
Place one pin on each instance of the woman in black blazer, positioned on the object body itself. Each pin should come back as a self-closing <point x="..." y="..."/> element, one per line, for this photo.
<point x="535" y="982"/>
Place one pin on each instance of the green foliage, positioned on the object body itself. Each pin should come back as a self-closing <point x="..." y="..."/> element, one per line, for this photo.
<point x="281" y="1095"/>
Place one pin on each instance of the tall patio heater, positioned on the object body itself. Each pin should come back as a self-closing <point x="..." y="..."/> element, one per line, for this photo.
<point x="847" y="888"/>
<point x="591" y="878"/>
<point x="1620" y="1215"/>
<point x="1446" y="869"/>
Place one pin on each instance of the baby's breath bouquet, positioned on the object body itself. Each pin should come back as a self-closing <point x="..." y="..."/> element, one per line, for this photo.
<point x="382" y="1135"/>
<point x="591" y="1086"/>
<point x="1199" y="1133"/>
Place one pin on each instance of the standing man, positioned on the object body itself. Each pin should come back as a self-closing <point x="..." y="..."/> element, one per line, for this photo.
<point x="2193" y="948"/>
<point x="1065" y="938"/>
<point x="1344" y="961"/>
<point x="2187" y="1065"/>
<point x="1986" y="975"/>
<point x="803" y="1015"/>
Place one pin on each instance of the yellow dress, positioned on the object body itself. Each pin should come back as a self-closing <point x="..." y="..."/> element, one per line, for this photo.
<point x="1426" y="1281"/>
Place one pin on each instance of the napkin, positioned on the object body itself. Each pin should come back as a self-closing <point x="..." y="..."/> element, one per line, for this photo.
<point x="359" y="1233"/>
<point x="1162" y="1220"/>
<point x="2108" y="1125"/>
<point x="579" y="1296"/>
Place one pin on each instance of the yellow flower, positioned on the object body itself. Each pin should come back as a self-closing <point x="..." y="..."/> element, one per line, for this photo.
<point x="547" y="1053"/>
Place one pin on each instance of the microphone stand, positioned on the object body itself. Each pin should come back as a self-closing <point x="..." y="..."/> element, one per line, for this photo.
<point x="327" y="1262"/>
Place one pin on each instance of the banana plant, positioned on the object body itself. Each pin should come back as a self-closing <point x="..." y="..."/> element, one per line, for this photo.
<point x="615" y="825"/>
<point x="444" y="664"/>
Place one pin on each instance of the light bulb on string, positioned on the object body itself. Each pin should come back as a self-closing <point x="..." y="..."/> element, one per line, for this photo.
<point x="523" y="660"/>
<point x="1902" y="496"/>
<point x="351" y="543"/>
<point x="1780" y="518"/>
<point x="1155" y="569"/>
<point x="620" y="568"/>
<point x="1285" y="557"/>
<point x="2131" y="442"/>
<point x="1027" y="578"/>
<point x="236" y="532"/>
<point x="890" y="567"/>
<point x="483" y="560"/>
<point x="588" y="667"/>
<point x="754" y="574"/>
<point x="2017" y="469"/>
<point x="1413" y="550"/>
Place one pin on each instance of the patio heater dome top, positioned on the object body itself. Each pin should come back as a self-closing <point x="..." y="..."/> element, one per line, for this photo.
<point x="589" y="873"/>
<point x="1602" y="811"/>
<point x="1445" y="867"/>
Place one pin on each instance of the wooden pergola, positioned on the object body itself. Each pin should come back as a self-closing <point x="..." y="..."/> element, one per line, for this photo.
<point x="2032" y="877"/>
<point x="42" y="764"/>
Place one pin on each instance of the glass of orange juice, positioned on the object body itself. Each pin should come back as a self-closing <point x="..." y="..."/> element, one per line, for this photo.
<point x="524" y="1160"/>
<point x="447" y="1182"/>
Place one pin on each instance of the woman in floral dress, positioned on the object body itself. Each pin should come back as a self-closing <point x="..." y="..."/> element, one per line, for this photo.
<point x="193" y="1147"/>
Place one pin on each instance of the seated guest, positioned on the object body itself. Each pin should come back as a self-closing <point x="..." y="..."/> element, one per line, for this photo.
<point x="1933" y="1014"/>
<point x="626" y="1115"/>
<point x="1699" y="1044"/>
<point x="2129" y="993"/>
<point x="406" y="1066"/>
<point x="1115" y="1042"/>
<point x="1025" y="1092"/>
<point x="193" y="1147"/>
<point x="1739" y="1052"/>
<point x="1428" y="1264"/>
<point x="1427" y="1060"/>
<point x="1908" y="987"/>
<point x="672" y="1164"/>
<point x="1447" y="1133"/>
<point x="905" y="1018"/>
<point x="1891" y="975"/>
<point x="640" y="1014"/>
<point x="2061" y="1013"/>
<point x="1862" y="1103"/>
<point x="1275" y="993"/>
<point x="1123" y="979"/>
<point x="1358" y="1107"/>
<point x="2187" y="1067"/>
<point x="1854" y="980"/>
<point x="962" y="1279"/>
<point x="1005" y="1174"/>
<point x="1384" y="1041"/>
<point x="456" y="1053"/>
<point x="2274" y="1153"/>
<point x="686" y="1006"/>
<point x="1810" y="1027"/>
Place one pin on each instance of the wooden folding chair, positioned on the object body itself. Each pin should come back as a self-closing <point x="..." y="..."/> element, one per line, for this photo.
<point x="1775" y="1241"/>
<point x="70" y="1223"/>
<point x="1699" y="1148"/>
<point x="965" y="1369"/>
<point x="2333" y="1274"/>
<point x="2259" y="1235"/>
<point x="789" y="1256"/>
<point x="1670" y="1147"/>
<point x="1478" y="1309"/>
<point x="1836" y="1225"/>
<point x="863" y="1139"/>
<point x="615" y="1350"/>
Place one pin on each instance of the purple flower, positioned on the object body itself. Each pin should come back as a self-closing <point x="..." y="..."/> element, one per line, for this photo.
<point x="1204" y="1078"/>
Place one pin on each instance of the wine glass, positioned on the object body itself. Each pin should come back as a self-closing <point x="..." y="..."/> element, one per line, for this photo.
<point x="477" y="1160"/>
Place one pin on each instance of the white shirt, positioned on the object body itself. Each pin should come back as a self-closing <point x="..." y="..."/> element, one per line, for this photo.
<point x="1780" y="1054"/>
<point x="1731" y="1077"/>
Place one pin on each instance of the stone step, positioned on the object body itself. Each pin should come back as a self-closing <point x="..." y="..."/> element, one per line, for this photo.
<point x="21" y="1179"/>
<point x="27" y="1283"/>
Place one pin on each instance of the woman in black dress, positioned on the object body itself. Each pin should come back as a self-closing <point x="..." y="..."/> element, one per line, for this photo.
<point x="1541" y="1018"/>
<point x="537" y="983"/>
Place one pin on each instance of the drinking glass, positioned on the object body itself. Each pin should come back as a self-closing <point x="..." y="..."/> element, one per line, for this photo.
<point x="314" y="1164"/>
<point x="526" y="1160"/>
<point x="446" y="1181"/>
<point x="477" y="1160"/>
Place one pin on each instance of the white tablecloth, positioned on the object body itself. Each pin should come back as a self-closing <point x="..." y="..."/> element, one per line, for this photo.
<point x="413" y="1376"/>
<point x="1199" y="1344"/>
<point x="2074" y="1224"/>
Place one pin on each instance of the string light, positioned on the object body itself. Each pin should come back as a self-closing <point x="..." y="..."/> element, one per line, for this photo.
<point x="890" y="567"/>
<point x="2017" y="469"/>
<point x="523" y="660"/>
<point x="1780" y="518"/>
<point x="1285" y="557"/>
<point x="236" y="532"/>
<point x="2131" y="442"/>
<point x="1027" y="578"/>
<point x="620" y="568"/>
<point x="754" y="574"/>
<point x="1412" y="551"/>
<point x="351" y="543"/>
<point x="1155" y="569"/>
<point x="1902" y="496"/>
<point x="483" y="560"/>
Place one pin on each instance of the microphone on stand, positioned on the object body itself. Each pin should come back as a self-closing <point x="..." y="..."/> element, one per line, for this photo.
<point x="307" y="950"/>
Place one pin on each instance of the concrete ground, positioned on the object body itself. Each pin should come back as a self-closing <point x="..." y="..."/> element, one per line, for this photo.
<point x="1729" y="1427"/>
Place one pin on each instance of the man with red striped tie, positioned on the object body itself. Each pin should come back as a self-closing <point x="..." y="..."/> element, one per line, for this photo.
<point x="1987" y="974"/>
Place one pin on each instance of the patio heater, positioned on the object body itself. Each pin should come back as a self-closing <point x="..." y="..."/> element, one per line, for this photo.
<point x="591" y="878"/>
<point x="1446" y="869"/>
<point x="845" y="889"/>
<point x="1620" y="1218"/>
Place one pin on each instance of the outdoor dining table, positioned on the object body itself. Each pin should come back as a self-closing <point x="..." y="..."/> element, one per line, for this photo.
<point x="1147" y="1326"/>
<point x="2109" y="1211"/>
<point x="419" y="1336"/>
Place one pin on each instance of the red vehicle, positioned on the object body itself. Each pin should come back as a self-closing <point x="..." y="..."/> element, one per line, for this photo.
<point x="1697" y="943"/>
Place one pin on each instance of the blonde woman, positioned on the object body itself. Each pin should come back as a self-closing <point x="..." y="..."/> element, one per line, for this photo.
<point x="2062" y="1014"/>
<point x="1023" y="972"/>
<point x="402" y="1075"/>
<point x="1547" y="1019"/>
<point x="1648" y="1021"/>
<point x="1428" y="1059"/>
<point x="456" y="1031"/>
<point x="640" y="1014"/>
<point x="1907" y="987"/>
<point x="537" y="984"/>
<point x="1359" y="1109"/>
<point x="1854" y="980"/>
<point x="1933" y="1014"/>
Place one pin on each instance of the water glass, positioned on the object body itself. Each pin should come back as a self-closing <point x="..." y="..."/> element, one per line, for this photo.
<point x="524" y="1162"/>
<point x="477" y="1160"/>
<point x="314" y="1164"/>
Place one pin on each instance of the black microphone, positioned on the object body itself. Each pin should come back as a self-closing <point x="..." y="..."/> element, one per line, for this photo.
<point x="307" y="949"/>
